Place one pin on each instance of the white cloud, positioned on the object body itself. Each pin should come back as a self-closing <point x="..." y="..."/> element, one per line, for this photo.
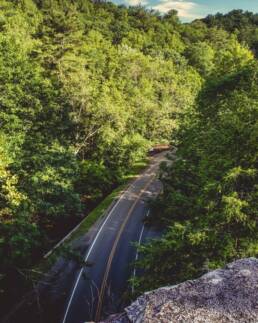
<point x="185" y="8"/>
<point x="136" y="2"/>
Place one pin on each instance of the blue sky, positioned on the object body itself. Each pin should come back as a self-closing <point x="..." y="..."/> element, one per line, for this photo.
<point x="192" y="9"/>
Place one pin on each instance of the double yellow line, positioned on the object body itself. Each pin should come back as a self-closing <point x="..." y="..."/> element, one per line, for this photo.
<point x="112" y="253"/>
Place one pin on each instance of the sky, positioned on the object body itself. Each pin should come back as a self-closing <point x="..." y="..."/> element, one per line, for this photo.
<point x="193" y="9"/>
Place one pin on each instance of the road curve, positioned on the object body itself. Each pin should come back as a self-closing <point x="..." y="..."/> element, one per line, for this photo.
<point x="101" y="289"/>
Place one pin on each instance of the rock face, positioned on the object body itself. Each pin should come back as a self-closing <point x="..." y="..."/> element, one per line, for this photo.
<point x="221" y="296"/>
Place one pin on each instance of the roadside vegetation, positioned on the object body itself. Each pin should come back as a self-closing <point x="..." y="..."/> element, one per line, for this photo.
<point x="86" y="89"/>
<point x="97" y="213"/>
<point x="209" y="206"/>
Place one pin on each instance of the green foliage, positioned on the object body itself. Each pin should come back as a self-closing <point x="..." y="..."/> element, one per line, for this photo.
<point x="201" y="55"/>
<point x="209" y="205"/>
<point x="242" y="23"/>
<point x="86" y="89"/>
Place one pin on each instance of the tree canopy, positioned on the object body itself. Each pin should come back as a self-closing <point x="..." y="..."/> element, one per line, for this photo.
<point x="209" y="205"/>
<point x="86" y="89"/>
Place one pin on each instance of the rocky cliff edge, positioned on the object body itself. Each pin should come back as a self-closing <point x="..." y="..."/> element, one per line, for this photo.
<point x="221" y="296"/>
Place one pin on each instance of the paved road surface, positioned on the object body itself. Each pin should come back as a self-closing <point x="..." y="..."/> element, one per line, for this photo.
<point x="101" y="289"/>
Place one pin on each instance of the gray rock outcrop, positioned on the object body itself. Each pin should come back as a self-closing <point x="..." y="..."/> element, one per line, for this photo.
<point x="222" y="296"/>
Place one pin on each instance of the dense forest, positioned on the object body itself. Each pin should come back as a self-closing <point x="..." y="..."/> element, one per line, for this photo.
<point x="209" y="205"/>
<point x="243" y="24"/>
<point x="86" y="89"/>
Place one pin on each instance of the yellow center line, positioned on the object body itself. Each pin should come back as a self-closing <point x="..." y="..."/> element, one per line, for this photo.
<point x="112" y="253"/>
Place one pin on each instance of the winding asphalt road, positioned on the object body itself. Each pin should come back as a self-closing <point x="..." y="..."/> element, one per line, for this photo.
<point x="101" y="289"/>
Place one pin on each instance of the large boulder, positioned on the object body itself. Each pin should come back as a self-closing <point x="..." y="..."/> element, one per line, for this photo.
<point x="222" y="296"/>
